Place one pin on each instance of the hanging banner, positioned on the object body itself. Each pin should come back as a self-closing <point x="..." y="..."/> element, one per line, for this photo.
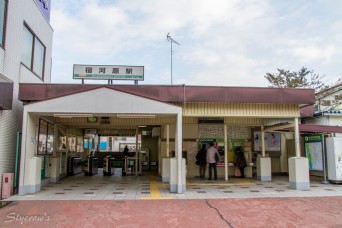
<point x="314" y="151"/>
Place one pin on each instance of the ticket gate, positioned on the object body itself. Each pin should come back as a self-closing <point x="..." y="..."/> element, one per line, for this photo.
<point x="74" y="165"/>
<point x="91" y="166"/>
<point x="108" y="166"/>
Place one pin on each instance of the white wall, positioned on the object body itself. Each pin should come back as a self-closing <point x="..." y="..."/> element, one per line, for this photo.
<point x="10" y="66"/>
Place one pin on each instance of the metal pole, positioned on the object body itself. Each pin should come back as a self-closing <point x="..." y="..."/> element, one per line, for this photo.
<point x="171" y="62"/>
<point x="323" y="154"/>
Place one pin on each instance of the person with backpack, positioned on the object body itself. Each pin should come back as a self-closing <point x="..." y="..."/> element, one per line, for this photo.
<point x="240" y="161"/>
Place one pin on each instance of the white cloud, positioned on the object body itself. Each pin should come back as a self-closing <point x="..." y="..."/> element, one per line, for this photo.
<point x="222" y="42"/>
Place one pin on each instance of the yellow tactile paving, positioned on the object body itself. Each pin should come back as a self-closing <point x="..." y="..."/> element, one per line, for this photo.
<point x="239" y="183"/>
<point x="155" y="189"/>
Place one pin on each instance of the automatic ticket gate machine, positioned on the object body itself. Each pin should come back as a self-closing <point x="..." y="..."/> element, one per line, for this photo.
<point x="108" y="166"/>
<point x="91" y="166"/>
<point x="74" y="165"/>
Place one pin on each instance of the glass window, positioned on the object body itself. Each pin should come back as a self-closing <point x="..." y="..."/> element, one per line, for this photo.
<point x="33" y="53"/>
<point x="26" y="56"/>
<point x="39" y="52"/>
<point x="3" y="9"/>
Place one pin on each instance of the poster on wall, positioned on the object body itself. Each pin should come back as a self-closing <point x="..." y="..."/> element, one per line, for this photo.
<point x="272" y="141"/>
<point x="314" y="151"/>
<point x="42" y="137"/>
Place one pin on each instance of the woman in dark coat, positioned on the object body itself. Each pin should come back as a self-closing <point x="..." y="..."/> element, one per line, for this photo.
<point x="201" y="158"/>
<point x="241" y="161"/>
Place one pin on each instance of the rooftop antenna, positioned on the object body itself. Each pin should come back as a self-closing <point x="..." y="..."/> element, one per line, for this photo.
<point x="169" y="39"/>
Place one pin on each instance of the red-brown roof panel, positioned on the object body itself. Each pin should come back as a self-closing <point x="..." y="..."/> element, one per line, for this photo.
<point x="176" y="93"/>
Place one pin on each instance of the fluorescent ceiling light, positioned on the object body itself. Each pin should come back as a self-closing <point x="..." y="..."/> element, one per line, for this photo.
<point x="135" y="116"/>
<point x="71" y="115"/>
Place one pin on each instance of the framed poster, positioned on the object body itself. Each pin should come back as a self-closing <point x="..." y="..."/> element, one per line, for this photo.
<point x="272" y="141"/>
<point x="72" y="143"/>
<point x="50" y="138"/>
<point x="42" y="137"/>
<point x="61" y="139"/>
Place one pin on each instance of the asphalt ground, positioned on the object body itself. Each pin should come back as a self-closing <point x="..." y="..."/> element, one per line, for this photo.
<point x="248" y="212"/>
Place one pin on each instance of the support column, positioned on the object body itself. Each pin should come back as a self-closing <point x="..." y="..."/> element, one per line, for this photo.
<point x="299" y="176"/>
<point x="225" y="153"/>
<point x="136" y="150"/>
<point x="30" y="166"/>
<point x="177" y="164"/>
<point x="264" y="170"/>
<point x="167" y="140"/>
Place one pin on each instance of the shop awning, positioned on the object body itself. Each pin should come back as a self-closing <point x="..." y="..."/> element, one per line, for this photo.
<point x="6" y="95"/>
<point x="319" y="128"/>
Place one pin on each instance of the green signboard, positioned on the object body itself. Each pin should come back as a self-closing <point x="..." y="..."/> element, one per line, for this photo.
<point x="314" y="151"/>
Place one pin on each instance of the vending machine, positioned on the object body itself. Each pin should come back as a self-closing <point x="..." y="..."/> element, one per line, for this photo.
<point x="334" y="159"/>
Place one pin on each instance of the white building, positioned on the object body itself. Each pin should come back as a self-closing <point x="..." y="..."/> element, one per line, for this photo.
<point x="25" y="57"/>
<point x="328" y="108"/>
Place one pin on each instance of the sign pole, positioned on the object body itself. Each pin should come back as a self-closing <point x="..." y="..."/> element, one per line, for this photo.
<point x="323" y="154"/>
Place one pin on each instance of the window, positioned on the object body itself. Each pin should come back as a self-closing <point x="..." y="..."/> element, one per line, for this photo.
<point x="3" y="15"/>
<point x="33" y="53"/>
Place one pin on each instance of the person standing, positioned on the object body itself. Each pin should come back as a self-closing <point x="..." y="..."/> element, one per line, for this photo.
<point x="201" y="158"/>
<point x="212" y="153"/>
<point x="241" y="161"/>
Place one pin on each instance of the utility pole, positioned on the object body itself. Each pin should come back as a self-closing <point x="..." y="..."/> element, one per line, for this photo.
<point x="169" y="39"/>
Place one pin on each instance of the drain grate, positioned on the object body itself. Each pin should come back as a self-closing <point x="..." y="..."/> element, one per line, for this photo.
<point x="88" y="193"/>
<point x="119" y="188"/>
<point x="259" y="184"/>
<point x="328" y="189"/>
<point x="254" y="191"/>
<point x="268" y="187"/>
<point x="98" y="186"/>
<point x="280" y="184"/>
<point x="196" y="188"/>
<point x="93" y="189"/>
<point x="59" y="193"/>
<point x="228" y="191"/>
<point x="145" y="192"/>
<point x="244" y="187"/>
<point x="221" y="187"/>
<point x="117" y="192"/>
<point x="314" y="186"/>
<point x="68" y="189"/>
<point x="201" y="192"/>
<point x="279" y="190"/>
<point x="74" y="186"/>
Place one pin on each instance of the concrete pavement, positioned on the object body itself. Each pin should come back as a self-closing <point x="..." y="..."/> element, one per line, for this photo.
<point x="250" y="212"/>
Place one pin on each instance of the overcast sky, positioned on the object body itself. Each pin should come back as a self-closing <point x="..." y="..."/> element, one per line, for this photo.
<point x="222" y="42"/>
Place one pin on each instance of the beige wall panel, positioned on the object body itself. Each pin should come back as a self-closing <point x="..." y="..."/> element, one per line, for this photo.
<point x="247" y="110"/>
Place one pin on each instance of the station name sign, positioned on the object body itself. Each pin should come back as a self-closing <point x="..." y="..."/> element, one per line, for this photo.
<point x="105" y="72"/>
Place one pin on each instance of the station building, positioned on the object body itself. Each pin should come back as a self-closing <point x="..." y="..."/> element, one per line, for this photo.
<point x="170" y="121"/>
